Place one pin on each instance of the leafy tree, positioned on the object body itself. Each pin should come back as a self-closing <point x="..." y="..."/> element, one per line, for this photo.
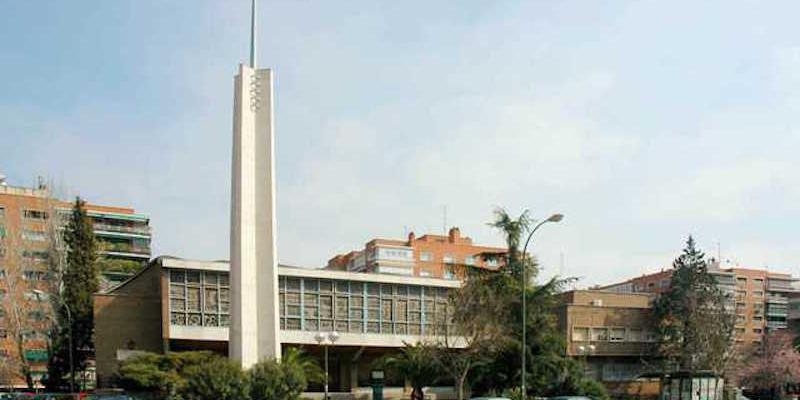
<point x="74" y="305"/>
<point x="284" y="379"/>
<point x="218" y="378"/>
<point x="164" y="375"/>
<point x="773" y="365"/>
<point x="416" y="363"/>
<point x="549" y="371"/>
<point x="694" y="326"/>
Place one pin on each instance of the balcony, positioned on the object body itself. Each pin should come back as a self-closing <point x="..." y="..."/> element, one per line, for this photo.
<point x="612" y="348"/>
<point x="772" y="299"/>
<point x="143" y="230"/>
<point x="777" y="324"/>
<point x="780" y="286"/>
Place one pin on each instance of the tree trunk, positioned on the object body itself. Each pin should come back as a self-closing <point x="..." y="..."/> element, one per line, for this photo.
<point x="416" y="393"/>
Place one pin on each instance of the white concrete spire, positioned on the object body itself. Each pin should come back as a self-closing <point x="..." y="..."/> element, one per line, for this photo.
<point x="254" y="263"/>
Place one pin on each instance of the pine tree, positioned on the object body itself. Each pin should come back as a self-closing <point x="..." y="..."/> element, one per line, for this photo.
<point x="74" y="304"/>
<point x="694" y="326"/>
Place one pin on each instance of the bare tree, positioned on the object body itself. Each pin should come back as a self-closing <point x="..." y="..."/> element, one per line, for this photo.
<point x="26" y="287"/>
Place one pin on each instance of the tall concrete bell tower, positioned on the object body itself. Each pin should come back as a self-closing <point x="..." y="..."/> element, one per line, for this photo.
<point x="254" y="265"/>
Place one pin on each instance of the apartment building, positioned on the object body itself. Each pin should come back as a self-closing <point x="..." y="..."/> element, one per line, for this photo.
<point x="176" y="304"/>
<point x="759" y="298"/>
<point x="431" y="256"/>
<point x="28" y="218"/>
<point x="612" y="334"/>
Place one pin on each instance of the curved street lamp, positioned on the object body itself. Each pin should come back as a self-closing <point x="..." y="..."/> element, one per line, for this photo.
<point x="552" y="218"/>
<point x="323" y="338"/>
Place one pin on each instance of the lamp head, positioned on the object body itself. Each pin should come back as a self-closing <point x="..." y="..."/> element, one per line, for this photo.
<point x="333" y="336"/>
<point x="319" y="337"/>
<point x="555" y="218"/>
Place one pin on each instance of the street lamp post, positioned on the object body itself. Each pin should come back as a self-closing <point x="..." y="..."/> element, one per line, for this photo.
<point x="325" y="339"/>
<point x="552" y="218"/>
<point x="39" y="295"/>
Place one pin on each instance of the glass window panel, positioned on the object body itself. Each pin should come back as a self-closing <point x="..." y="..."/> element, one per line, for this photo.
<point x="414" y="291"/>
<point x="193" y="299"/>
<point x="386" y="327"/>
<point x="342" y="287"/>
<point x="193" y="276"/>
<point x="428" y="306"/>
<point x="224" y="279"/>
<point x="176" y="291"/>
<point x="357" y="287"/>
<point x="210" y="278"/>
<point x="310" y="299"/>
<point x="293" y="324"/>
<point x="177" y="304"/>
<point x="225" y="307"/>
<point x="210" y="320"/>
<point x="293" y="310"/>
<point x="211" y="300"/>
<point x="372" y="289"/>
<point x="341" y="307"/>
<point x="310" y="311"/>
<point x="617" y="334"/>
<point x="311" y="285"/>
<point x="326" y="325"/>
<point x="194" y="320"/>
<point x="293" y="298"/>
<point x="341" y="326"/>
<point x="413" y="329"/>
<point x="177" y="319"/>
<point x="177" y="276"/>
<point x="386" y="290"/>
<point x="283" y="323"/>
<point x="414" y="316"/>
<point x="311" y="325"/>
<point x="356" y="326"/>
<point x="400" y="329"/>
<point x="413" y="305"/>
<point x="326" y="286"/>
<point x="373" y="302"/>
<point x="386" y="309"/>
<point x="402" y="310"/>
<point x="224" y="295"/>
<point x="356" y="314"/>
<point x="372" y="327"/>
<point x="292" y="284"/>
<point x="326" y="306"/>
<point x="356" y="302"/>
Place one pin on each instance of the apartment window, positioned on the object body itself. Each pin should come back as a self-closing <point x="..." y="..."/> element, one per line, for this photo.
<point x="448" y="274"/>
<point x="34" y="275"/>
<point x="616" y="335"/>
<point x="34" y="214"/>
<point x="740" y="319"/>
<point x="491" y="262"/>
<point x="425" y="256"/>
<point x="36" y="255"/>
<point x="758" y="282"/>
<point x="2" y="212"/>
<point x="664" y="283"/>
<point x="580" y="334"/>
<point x="2" y="273"/>
<point x="758" y="331"/>
<point x="741" y="281"/>
<point x="650" y="336"/>
<point x="448" y="259"/>
<point x="758" y="293"/>
<point x="599" y="334"/>
<point x="651" y="285"/>
<point x="3" y="334"/>
<point x="469" y="260"/>
<point x="2" y="231"/>
<point x="635" y="335"/>
<point x="36" y="236"/>
<point x="758" y="318"/>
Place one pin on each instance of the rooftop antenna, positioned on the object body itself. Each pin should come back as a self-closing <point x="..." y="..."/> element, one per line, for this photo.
<point x="253" y="36"/>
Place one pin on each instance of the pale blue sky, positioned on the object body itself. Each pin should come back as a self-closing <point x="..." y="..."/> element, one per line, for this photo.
<point x="642" y="121"/>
